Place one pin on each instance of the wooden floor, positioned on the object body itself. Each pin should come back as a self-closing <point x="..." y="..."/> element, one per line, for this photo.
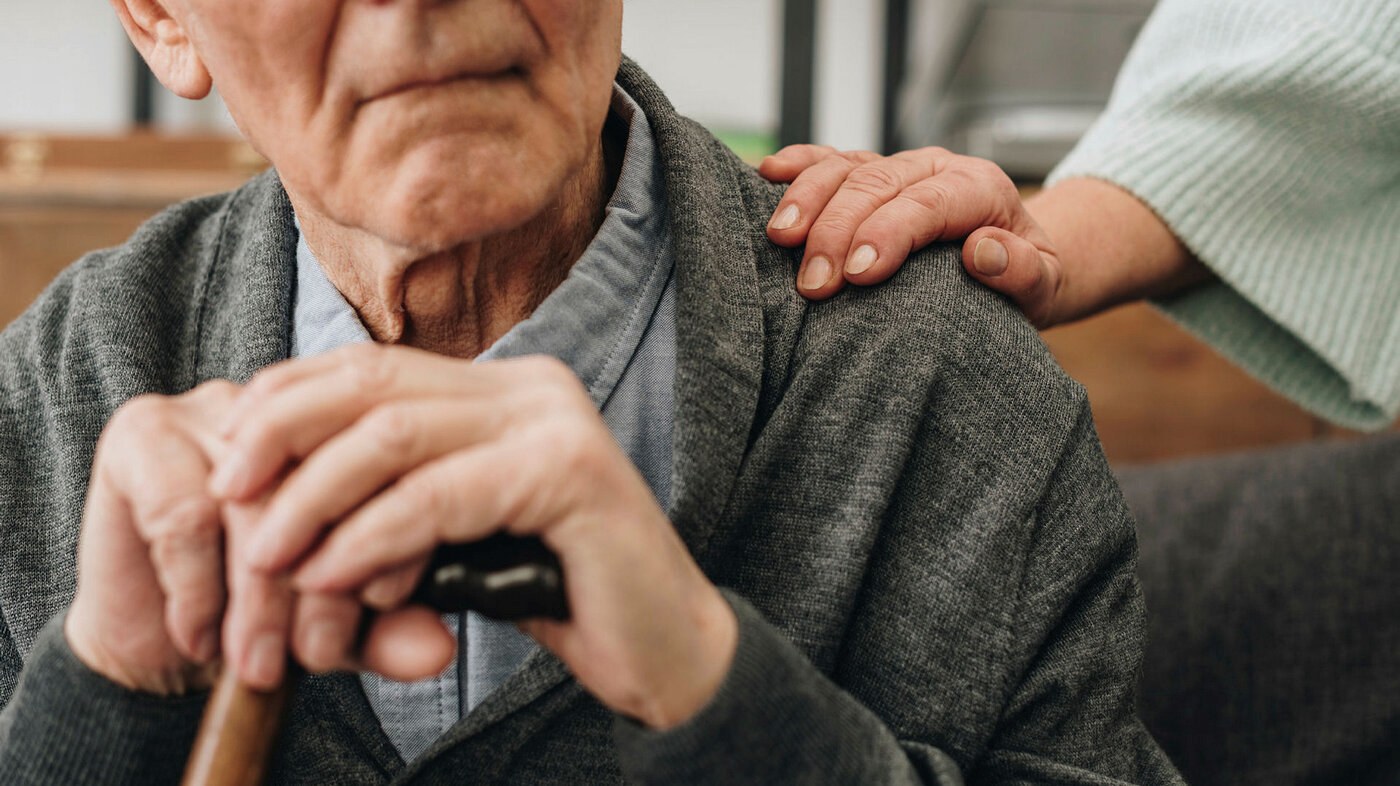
<point x="1156" y="392"/>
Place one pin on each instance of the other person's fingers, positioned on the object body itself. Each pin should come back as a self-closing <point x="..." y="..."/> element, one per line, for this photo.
<point x="836" y="234"/>
<point x="809" y="194"/>
<point x="1010" y="264"/>
<point x="946" y="206"/>
<point x="786" y="164"/>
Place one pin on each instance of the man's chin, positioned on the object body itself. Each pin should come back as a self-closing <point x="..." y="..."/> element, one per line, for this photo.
<point x="445" y="216"/>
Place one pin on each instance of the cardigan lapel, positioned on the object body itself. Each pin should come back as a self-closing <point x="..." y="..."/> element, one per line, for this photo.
<point x="245" y="323"/>
<point x="719" y="331"/>
<point x="719" y="370"/>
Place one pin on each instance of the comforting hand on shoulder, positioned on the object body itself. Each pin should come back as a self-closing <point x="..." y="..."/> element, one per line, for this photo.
<point x="388" y="452"/>
<point x="861" y="215"/>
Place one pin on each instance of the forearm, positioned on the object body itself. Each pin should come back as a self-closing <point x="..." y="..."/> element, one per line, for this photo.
<point x="68" y="724"/>
<point x="1113" y="248"/>
<point x="776" y="719"/>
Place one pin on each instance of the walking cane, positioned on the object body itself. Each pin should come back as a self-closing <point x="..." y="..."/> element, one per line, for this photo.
<point x="501" y="577"/>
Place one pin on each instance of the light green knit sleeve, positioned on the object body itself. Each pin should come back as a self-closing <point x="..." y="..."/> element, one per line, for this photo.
<point x="1266" y="134"/>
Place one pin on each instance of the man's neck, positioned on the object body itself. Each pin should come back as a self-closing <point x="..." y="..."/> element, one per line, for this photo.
<point x="460" y="301"/>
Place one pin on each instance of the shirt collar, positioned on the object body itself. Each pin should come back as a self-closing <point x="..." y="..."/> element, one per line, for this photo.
<point x="594" y="321"/>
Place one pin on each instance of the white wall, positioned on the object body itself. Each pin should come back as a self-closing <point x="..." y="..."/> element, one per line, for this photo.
<point x="64" y="65"/>
<point x="718" y="60"/>
<point x="849" y="74"/>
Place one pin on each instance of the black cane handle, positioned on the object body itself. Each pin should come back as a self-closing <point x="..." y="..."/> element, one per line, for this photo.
<point x="502" y="577"/>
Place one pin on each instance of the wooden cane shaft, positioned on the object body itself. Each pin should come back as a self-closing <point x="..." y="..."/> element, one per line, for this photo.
<point x="236" y="736"/>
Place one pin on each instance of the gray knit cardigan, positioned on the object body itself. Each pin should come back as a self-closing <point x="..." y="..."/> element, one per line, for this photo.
<point x="899" y="491"/>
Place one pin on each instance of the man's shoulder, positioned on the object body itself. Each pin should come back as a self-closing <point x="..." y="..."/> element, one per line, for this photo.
<point x="930" y="325"/>
<point x="139" y="300"/>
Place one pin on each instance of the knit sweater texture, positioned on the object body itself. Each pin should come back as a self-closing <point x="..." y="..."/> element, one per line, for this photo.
<point x="1266" y="135"/>
<point x="898" y="491"/>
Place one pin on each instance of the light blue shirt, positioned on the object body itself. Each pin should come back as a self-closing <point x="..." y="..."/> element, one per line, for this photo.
<point x="613" y="321"/>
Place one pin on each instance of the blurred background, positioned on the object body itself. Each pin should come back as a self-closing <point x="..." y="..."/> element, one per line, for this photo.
<point x="91" y="145"/>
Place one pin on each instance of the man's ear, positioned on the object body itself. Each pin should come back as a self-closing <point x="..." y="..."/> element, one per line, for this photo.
<point x="162" y="41"/>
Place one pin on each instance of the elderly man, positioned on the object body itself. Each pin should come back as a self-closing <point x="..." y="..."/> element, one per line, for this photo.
<point x="927" y="569"/>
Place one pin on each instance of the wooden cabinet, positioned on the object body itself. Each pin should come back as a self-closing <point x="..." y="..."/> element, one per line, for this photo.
<point x="62" y="196"/>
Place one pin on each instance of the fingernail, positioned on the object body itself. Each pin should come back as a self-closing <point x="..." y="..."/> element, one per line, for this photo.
<point x="266" y="657"/>
<point x="230" y="476"/>
<point x="989" y="257"/>
<point x="816" y="275"/>
<point x="862" y="259"/>
<point x="206" y="646"/>
<point x="787" y="218"/>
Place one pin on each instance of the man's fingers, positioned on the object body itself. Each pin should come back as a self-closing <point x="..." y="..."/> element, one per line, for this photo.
<point x="391" y="589"/>
<point x="1014" y="267"/>
<point x="788" y="163"/>
<point x="408" y="644"/>
<point x="458" y="499"/>
<point x="163" y="483"/>
<point x="324" y="631"/>
<point x="357" y="463"/>
<point x="258" y="621"/>
<point x="282" y="422"/>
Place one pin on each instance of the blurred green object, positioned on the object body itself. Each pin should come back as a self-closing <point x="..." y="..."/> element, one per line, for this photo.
<point x="751" y="146"/>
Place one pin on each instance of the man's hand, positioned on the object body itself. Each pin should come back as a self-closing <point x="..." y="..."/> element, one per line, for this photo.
<point x="150" y="558"/>
<point x="861" y="215"/>
<point x="389" y="452"/>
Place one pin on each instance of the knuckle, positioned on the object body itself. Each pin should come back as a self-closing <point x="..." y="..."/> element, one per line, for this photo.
<point x="179" y="521"/>
<point x="932" y="196"/>
<point x="875" y="178"/>
<point x="268" y="381"/>
<point x="577" y="449"/>
<point x="553" y="375"/>
<point x="367" y="368"/>
<point x="835" y="224"/>
<point x="144" y="415"/>
<point x="392" y="429"/>
<point x="424" y="498"/>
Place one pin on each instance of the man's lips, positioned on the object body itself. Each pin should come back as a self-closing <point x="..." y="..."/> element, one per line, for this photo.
<point x="451" y="78"/>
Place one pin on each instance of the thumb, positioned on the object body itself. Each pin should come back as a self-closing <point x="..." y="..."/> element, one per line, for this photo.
<point x="1015" y="267"/>
<point x="409" y="643"/>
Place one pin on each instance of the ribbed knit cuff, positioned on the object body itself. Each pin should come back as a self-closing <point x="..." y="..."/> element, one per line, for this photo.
<point x="1262" y="135"/>
<point x="775" y="719"/>
<point x="67" y="724"/>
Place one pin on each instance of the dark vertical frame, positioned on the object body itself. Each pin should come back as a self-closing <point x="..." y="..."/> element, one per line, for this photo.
<point x="143" y="91"/>
<point x="896" y="60"/>
<point x="799" y="66"/>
